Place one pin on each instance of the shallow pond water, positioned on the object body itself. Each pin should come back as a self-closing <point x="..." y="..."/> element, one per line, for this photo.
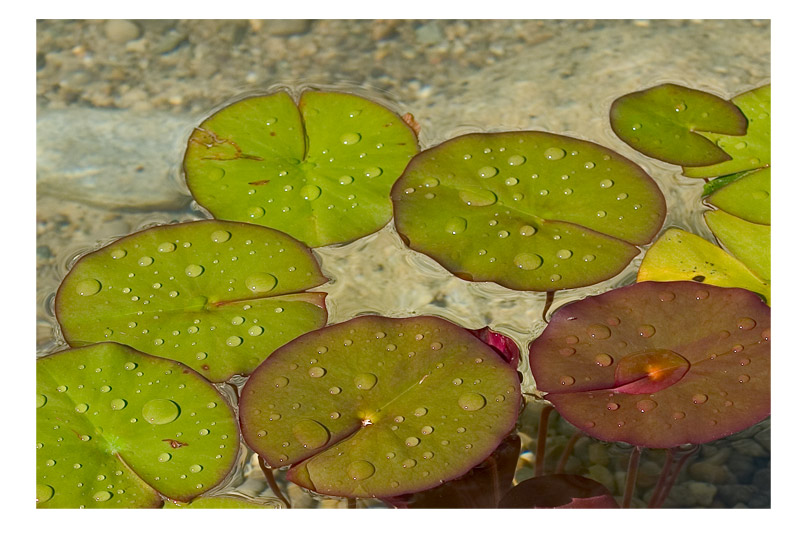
<point x="456" y="77"/>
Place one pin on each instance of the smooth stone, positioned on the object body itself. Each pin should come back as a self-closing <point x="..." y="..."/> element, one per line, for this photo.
<point x="122" y="31"/>
<point x="287" y="26"/>
<point x="750" y="448"/>
<point x="113" y="158"/>
<point x="598" y="453"/>
<point x="703" y="492"/>
<point x="711" y="473"/>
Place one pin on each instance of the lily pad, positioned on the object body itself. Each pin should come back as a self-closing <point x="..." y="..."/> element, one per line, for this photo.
<point x="217" y="296"/>
<point x="116" y="428"/>
<point x="558" y="491"/>
<point x="527" y="210"/>
<point x="747" y="197"/>
<point x="748" y="242"/>
<point x="379" y="407"/>
<point x="664" y="122"/>
<point x="319" y="170"/>
<point x="747" y="152"/>
<point x="218" y="502"/>
<point x="679" y="255"/>
<point x="658" y="364"/>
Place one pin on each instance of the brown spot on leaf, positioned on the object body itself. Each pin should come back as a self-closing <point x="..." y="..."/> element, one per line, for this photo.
<point x="175" y="443"/>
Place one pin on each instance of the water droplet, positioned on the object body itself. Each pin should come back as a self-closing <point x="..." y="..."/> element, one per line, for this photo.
<point x="118" y="404"/>
<point x="81" y="408"/>
<point x="502" y="234"/>
<point x="220" y="236"/>
<point x="102" y="496"/>
<point x="409" y="463"/>
<point x="365" y="381"/>
<point x="145" y="261"/>
<point x="160" y="411"/>
<point x="527" y="261"/>
<point x="412" y="441"/>
<point x="471" y="401"/>
<point x="646" y="330"/>
<point x="373" y="172"/>
<point x="603" y="359"/>
<point x="335" y="390"/>
<point x="744" y="378"/>
<point x="564" y="254"/>
<point x="612" y="406"/>
<point x="598" y="331"/>
<point x="601" y="213"/>
<point x="746" y="323"/>
<point x="516" y="160"/>
<point x="702" y="294"/>
<point x="478" y="197"/>
<point x="606" y="184"/>
<point x="310" y="192"/>
<point x="44" y="492"/>
<point x="589" y="165"/>
<point x="316" y="371"/>
<point x="255" y="331"/>
<point x="359" y="470"/>
<point x="193" y="270"/>
<point x="261" y="282"/>
<point x="350" y="138"/>
<point x="164" y="457"/>
<point x="455" y="225"/>
<point x="436" y="346"/>
<point x="527" y="231"/>
<point x="420" y="411"/>
<point x="310" y="433"/>
<point x="255" y="212"/>
<point x="699" y="399"/>
<point x="567" y="380"/>
<point x="426" y="430"/>
<point x="554" y="153"/>
<point x="646" y="405"/>
<point x="88" y="287"/>
<point x="281" y="381"/>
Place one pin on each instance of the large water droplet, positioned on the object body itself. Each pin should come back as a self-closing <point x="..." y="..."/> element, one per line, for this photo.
<point x="261" y="282"/>
<point x="44" y="492"/>
<point x="310" y="433"/>
<point x="365" y="381"/>
<point x="527" y="230"/>
<point x="350" y="138"/>
<point x="88" y="287"/>
<point x="160" y="411"/>
<point x="487" y="172"/>
<point x="516" y="160"/>
<point x="455" y="225"/>
<point x="471" y="401"/>
<point x="310" y="192"/>
<point x="220" y="236"/>
<point x="598" y="331"/>
<point x="102" y="496"/>
<point x="193" y="270"/>
<point x="359" y="470"/>
<point x="478" y="197"/>
<point x="527" y="261"/>
<point x="118" y="404"/>
<point x="554" y="153"/>
<point x="316" y="371"/>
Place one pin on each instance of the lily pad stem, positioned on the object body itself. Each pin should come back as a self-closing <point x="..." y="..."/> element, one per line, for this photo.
<point x="541" y="440"/>
<point x="665" y="483"/>
<point x="633" y="469"/>
<point x="562" y="463"/>
<point x="271" y="482"/>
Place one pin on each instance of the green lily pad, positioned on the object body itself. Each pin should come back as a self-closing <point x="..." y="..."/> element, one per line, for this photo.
<point x="378" y="407"/>
<point x="679" y="255"/>
<point x="747" y="152"/>
<point x="116" y="428"/>
<point x="218" y="502"/>
<point x="664" y="122"/>
<point x="320" y="170"/>
<point x="527" y="210"/>
<point x="748" y="242"/>
<point x="217" y="296"/>
<point x="747" y="197"/>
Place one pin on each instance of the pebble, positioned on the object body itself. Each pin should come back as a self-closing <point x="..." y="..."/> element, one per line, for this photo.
<point x="121" y="31"/>
<point x="702" y="492"/>
<point x="287" y="27"/>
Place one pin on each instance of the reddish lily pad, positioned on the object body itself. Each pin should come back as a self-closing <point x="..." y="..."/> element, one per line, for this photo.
<point x="663" y="122"/>
<point x="116" y="428"/>
<point x="319" y="170"/>
<point x="658" y="364"/>
<point x="217" y="296"/>
<point x="527" y="210"/>
<point x="559" y="491"/>
<point x="378" y="407"/>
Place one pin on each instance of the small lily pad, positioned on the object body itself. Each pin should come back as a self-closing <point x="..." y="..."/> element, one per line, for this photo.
<point x="658" y="364"/>
<point x="379" y="407"/>
<point x="748" y="242"/>
<point x="747" y="197"/>
<point x="558" y="491"/>
<point x="679" y="255"/>
<point x="116" y="428"/>
<point x="747" y="152"/>
<point x="217" y="296"/>
<point x="664" y="122"/>
<point x="319" y="170"/>
<point x="527" y="210"/>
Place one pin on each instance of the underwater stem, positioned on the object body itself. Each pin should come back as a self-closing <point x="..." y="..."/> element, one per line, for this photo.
<point x="562" y="463"/>
<point x="630" y="484"/>
<point x="541" y="440"/>
<point x="271" y="481"/>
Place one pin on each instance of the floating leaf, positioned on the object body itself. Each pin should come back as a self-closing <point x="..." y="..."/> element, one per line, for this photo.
<point x="219" y="502"/>
<point x="748" y="197"/>
<point x="527" y="210"/>
<point x="679" y="255"/>
<point x="658" y="364"/>
<point x="378" y="407"/>
<point x="664" y="122"/>
<point x="748" y="152"/>
<point x="217" y="296"/>
<point x="559" y="491"/>
<point x="748" y="242"/>
<point x="320" y="170"/>
<point x="116" y="428"/>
